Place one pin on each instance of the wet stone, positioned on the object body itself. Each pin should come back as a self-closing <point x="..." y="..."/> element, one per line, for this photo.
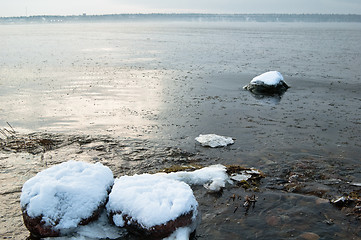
<point x="309" y="236"/>
<point x="273" y="220"/>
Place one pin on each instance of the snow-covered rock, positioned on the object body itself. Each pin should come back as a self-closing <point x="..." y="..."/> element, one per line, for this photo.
<point x="152" y="205"/>
<point x="155" y="206"/>
<point x="271" y="82"/>
<point x="58" y="199"/>
<point x="213" y="140"/>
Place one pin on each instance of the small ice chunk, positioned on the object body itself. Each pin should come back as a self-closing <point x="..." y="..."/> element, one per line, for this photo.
<point x="268" y="78"/>
<point x="253" y="171"/>
<point x="356" y="184"/>
<point x="240" y="177"/>
<point x="213" y="140"/>
<point x="244" y="175"/>
<point x="150" y="199"/>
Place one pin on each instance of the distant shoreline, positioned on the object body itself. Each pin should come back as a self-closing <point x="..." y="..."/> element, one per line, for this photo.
<point x="187" y="17"/>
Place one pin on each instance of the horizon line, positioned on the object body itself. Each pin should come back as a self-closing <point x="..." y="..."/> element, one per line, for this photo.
<point x="190" y="13"/>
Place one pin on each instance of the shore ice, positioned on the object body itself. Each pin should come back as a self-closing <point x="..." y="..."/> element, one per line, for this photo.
<point x="212" y="178"/>
<point x="68" y="192"/>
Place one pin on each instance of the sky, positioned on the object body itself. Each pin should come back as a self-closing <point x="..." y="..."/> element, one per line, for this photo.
<point x="10" y="8"/>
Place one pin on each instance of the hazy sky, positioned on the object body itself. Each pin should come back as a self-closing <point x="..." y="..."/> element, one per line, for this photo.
<point x="76" y="7"/>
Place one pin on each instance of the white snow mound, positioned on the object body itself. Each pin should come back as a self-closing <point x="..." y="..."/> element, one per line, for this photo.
<point x="268" y="78"/>
<point x="213" y="140"/>
<point x="212" y="178"/>
<point x="68" y="193"/>
<point x="150" y="199"/>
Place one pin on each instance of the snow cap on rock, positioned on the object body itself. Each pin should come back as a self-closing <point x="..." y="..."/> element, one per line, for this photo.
<point x="150" y="200"/>
<point x="268" y="78"/>
<point x="67" y="193"/>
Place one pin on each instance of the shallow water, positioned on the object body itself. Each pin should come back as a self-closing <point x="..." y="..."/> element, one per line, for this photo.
<point x="135" y="95"/>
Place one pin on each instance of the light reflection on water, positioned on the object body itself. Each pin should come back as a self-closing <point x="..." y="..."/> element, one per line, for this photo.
<point x="89" y="104"/>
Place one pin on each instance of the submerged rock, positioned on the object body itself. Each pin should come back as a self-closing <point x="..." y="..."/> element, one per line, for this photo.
<point x="62" y="197"/>
<point x="309" y="236"/>
<point x="152" y="206"/>
<point x="268" y="83"/>
<point x="213" y="140"/>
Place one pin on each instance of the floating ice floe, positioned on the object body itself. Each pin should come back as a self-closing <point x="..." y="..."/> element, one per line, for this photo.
<point x="58" y="199"/>
<point x="152" y="205"/>
<point x="213" y="140"/>
<point x="244" y="175"/>
<point x="268" y="83"/>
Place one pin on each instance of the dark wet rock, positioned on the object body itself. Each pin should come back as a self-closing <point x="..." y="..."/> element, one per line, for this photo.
<point x="309" y="236"/>
<point x="273" y="220"/>
<point x="314" y="189"/>
<point x="157" y="231"/>
<point x="260" y="88"/>
<point x="38" y="228"/>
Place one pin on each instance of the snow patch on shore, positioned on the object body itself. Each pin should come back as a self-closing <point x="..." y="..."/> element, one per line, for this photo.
<point x="212" y="178"/>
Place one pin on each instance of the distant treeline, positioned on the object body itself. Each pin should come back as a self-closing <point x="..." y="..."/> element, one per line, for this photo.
<point x="188" y="17"/>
